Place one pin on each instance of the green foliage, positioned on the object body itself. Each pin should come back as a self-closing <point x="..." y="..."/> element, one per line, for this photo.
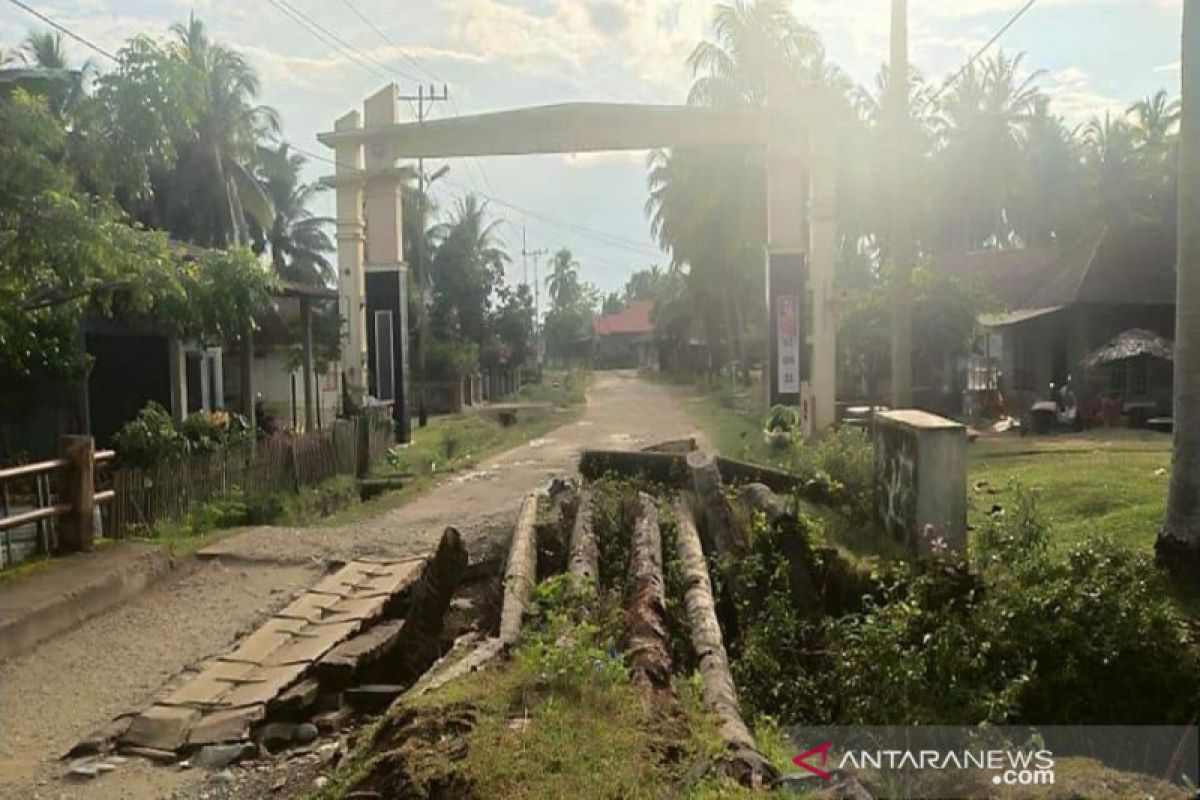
<point x="66" y="255"/>
<point x="843" y="459"/>
<point x="570" y="643"/>
<point x="1092" y="638"/>
<point x="153" y="437"/>
<point x="782" y="419"/>
<point x="150" y="438"/>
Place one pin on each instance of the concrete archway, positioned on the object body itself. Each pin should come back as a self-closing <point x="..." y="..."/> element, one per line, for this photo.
<point x="801" y="223"/>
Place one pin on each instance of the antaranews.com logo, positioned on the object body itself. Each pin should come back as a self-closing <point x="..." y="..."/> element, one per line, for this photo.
<point x="1009" y="767"/>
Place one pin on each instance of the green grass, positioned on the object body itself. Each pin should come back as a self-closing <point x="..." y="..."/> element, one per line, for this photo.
<point x="1103" y="482"/>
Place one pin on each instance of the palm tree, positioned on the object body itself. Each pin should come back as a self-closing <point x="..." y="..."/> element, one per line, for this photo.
<point x="1156" y="117"/>
<point x="45" y="50"/>
<point x="563" y="280"/>
<point x="1048" y="203"/>
<point x="1181" y="530"/>
<point x="467" y="267"/>
<point x="216" y="190"/>
<point x="1115" y="174"/>
<point x="299" y="242"/>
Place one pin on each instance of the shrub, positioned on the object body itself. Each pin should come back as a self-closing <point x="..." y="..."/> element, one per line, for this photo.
<point x="571" y="640"/>
<point x="843" y="456"/>
<point x="1023" y="638"/>
<point x="150" y="438"/>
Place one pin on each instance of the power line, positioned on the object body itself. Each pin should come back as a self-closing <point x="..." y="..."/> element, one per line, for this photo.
<point x="325" y="38"/>
<point x="371" y="23"/>
<point x="64" y="29"/>
<point x="344" y="44"/>
<point x="978" y="53"/>
<point x="596" y="236"/>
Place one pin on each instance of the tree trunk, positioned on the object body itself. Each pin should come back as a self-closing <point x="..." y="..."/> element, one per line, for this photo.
<point x="1182" y="529"/>
<point x="746" y="763"/>
<point x="646" y="613"/>
<point x="521" y="574"/>
<point x="722" y="528"/>
<point x="585" y="554"/>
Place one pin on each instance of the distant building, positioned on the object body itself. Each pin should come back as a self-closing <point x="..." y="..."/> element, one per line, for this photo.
<point x="625" y="340"/>
<point x="1063" y="305"/>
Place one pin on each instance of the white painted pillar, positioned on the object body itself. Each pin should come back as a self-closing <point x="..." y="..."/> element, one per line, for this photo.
<point x="350" y="243"/>
<point x="388" y="281"/>
<point x="823" y="245"/>
<point x="177" y="365"/>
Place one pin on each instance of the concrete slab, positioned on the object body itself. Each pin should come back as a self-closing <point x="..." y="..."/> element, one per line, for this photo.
<point x="210" y="685"/>
<point x="161" y="728"/>
<point x="74" y="589"/>
<point x="310" y="644"/>
<point x="221" y="727"/>
<point x="263" y="685"/>
<point x="258" y="646"/>
<point x="363" y="579"/>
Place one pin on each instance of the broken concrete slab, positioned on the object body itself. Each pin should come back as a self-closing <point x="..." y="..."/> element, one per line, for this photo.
<point x="296" y="702"/>
<point x="161" y="727"/>
<point x="374" y="696"/>
<point x="339" y="667"/>
<point x="310" y="643"/>
<point x="263" y="685"/>
<point x="225" y="727"/>
<point x="210" y="685"/>
<point x="258" y="646"/>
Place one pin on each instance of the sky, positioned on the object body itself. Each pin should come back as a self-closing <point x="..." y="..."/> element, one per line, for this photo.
<point x="1097" y="56"/>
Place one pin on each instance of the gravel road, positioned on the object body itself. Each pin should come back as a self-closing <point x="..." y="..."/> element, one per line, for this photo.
<point x="69" y="686"/>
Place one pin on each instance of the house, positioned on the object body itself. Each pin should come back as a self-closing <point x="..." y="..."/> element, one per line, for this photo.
<point x="277" y="372"/>
<point x="625" y="340"/>
<point x="1063" y="305"/>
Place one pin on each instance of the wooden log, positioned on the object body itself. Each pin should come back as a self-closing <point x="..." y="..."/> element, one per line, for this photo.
<point x="646" y="644"/>
<point x="521" y="574"/>
<point x="666" y="468"/>
<point x="677" y="446"/>
<point x="585" y="553"/>
<point x="723" y="529"/>
<point x="747" y="764"/>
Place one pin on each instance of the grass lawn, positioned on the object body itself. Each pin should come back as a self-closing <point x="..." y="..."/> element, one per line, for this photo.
<point x="1111" y="482"/>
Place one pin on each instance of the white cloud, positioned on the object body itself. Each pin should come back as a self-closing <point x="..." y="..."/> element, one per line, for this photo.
<point x="1074" y="97"/>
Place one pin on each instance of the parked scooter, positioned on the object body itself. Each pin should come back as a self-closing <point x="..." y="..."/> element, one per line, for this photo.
<point x="1060" y="412"/>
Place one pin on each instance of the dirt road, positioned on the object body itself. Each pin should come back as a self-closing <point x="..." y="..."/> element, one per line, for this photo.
<point x="54" y="695"/>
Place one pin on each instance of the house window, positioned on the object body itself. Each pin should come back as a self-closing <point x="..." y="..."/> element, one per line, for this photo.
<point x="385" y="365"/>
<point x="1116" y="376"/>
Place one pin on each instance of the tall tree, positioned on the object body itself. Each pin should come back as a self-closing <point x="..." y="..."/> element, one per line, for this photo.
<point x="215" y="184"/>
<point x="467" y="267"/>
<point x="298" y="241"/>
<point x="1181" y="531"/>
<point x="563" y="280"/>
<point x="45" y="50"/>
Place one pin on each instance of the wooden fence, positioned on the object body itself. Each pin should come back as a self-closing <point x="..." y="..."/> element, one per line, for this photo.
<point x="169" y="492"/>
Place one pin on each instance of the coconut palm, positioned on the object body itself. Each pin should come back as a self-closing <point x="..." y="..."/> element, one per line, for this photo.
<point x="298" y="241"/>
<point x="1155" y="118"/>
<point x="467" y="267"/>
<point x="1117" y="181"/>
<point x="215" y="188"/>
<point x="983" y="121"/>
<point x="563" y="280"/>
<point x="45" y="50"/>
<point x="1181" y="531"/>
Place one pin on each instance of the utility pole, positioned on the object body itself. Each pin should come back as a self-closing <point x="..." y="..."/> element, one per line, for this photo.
<point x="901" y="244"/>
<point x="526" y="253"/>
<point x="425" y="96"/>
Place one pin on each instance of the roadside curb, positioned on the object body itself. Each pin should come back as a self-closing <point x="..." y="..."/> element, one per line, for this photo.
<point x="81" y="587"/>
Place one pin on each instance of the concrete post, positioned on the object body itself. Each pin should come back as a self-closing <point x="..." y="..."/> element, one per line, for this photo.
<point x="246" y="358"/>
<point x="77" y="490"/>
<point x="177" y="365"/>
<point x="822" y="268"/>
<point x="788" y="365"/>
<point x="306" y="326"/>
<point x="350" y="256"/>
<point x="387" y="274"/>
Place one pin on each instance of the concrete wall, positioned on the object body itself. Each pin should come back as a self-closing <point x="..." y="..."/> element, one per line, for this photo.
<point x="921" y="479"/>
<point x="272" y="375"/>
